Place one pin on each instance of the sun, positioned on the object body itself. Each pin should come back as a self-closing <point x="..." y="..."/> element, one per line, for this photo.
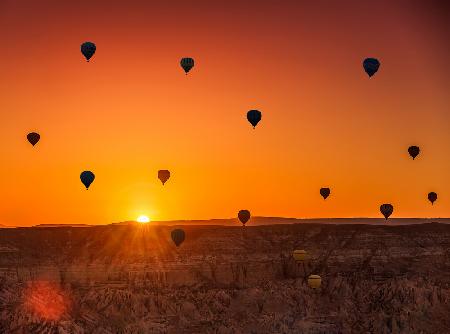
<point x="143" y="219"/>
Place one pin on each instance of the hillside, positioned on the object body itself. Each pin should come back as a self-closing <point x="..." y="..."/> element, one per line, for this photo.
<point x="132" y="279"/>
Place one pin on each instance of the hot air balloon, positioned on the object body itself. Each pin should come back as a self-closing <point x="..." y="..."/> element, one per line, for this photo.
<point x="87" y="177"/>
<point x="386" y="210"/>
<point x="178" y="236"/>
<point x="299" y="255"/>
<point x="371" y="66"/>
<point x="244" y="216"/>
<point x="413" y="151"/>
<point x="163" y="175"/>
<point x="325" y="192"/>
<point x="33" y="138"/>
<point x="187" y="64"/>
<point x="88" y="50"/>
<point x="254" y="116"/>
<point x="314" y="281"/>
<point x="432" y="197"/>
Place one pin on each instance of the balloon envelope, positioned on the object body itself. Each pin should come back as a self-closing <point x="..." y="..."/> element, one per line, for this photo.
<point x="87" y="177"/>
<point x="299" y="255"/>
<point x="88" y="50"/>
<point x="432" y="197"/>
<point x="254" y="116"/>
<point x="325" y="192"/>
<point x="371" y="66"/>
<point x="386" y="210"/>
<point x="178" y="236"/>
<point x="163" y="175"/>
<point x="33" y="138"/>
<point x="413" y="151"/>
<point x="314" y="281"/>
<point x="187" y="64"/>
<point x="244" y="216"/>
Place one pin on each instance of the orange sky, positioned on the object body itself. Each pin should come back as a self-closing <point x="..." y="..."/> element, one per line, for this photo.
<point x="132" y="111"/>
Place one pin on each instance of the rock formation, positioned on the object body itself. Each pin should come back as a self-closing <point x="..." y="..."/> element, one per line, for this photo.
<point x="224" y="280"/>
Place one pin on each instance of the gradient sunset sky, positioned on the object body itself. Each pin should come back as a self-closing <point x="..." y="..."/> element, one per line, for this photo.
<point x="131" y="110"/>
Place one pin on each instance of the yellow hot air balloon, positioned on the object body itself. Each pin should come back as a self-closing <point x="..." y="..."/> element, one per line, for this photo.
<point x="314" y="281"/>
<point x="299" y="255"/>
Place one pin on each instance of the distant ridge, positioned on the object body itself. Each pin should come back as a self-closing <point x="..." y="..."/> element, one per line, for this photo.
<point x="63" y="225"/>
<point x="259" y="221"/>
<point x="282" y="220"/>
<point x="128" y="222"/>
<point x="6" y="226"/>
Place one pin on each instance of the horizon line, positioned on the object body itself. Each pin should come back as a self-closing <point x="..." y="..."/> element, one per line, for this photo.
<point x="152" y="222"/>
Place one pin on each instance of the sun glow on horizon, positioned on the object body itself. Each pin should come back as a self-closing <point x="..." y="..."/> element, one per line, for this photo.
<point x="143" y="219"/>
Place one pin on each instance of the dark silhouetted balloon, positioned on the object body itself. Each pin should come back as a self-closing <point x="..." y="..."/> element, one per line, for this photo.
<point x="386" y="210"/>
<point x="325" y="192"/>
<point x="413" y="151"/>
<point x="178" y="236"/>
<point x="187" y="64"/>
<point x="163" y="175"/>
<point x="432" y="197"/>
<point x="371" y="66"/>
<point x="254" y="116"/>
<point x="244" y="216"/>
<point x="88" y="50"/>
<point x="87" y="177"/>
<point x="33" y="138"/>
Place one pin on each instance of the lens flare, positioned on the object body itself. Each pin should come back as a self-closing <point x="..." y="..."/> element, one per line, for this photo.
<point x="46" y="300"/>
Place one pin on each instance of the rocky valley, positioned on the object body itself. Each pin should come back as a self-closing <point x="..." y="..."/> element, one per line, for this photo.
<point x="224" y="280"/>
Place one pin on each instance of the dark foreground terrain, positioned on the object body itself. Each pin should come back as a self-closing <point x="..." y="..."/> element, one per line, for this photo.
<point x="132" y="279"/>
